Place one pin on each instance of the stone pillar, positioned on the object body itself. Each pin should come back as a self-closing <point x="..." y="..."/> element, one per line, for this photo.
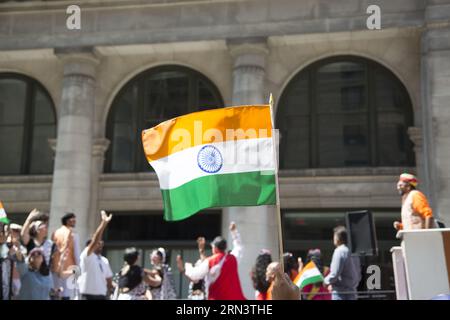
<point x="257" y="225"/>
<point x="71" y="189"/>
<point x="99" y="148"/>
<point x="435" y="79"/>
<point x="416" y="136"/>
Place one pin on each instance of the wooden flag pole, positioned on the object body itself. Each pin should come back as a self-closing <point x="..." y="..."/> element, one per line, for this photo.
<point x="275" y="158"/>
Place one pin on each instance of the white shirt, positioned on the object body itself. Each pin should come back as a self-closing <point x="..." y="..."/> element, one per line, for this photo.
<point x="106" y="267"/>
<point x="94" y="271"/>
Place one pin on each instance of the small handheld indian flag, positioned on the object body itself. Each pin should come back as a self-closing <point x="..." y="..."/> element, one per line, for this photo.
<point x="3" y="217"/>
<point x="310" y="274"/>
<point x="214" y="158"/>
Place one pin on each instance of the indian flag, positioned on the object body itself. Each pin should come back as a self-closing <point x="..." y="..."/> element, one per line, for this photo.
<point x="214" y="158"/>
<point x="3" y="217"/>
<point x="310" y="274"/>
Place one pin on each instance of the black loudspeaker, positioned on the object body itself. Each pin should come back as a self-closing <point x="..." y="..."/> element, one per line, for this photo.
<point x="362" y="239"/>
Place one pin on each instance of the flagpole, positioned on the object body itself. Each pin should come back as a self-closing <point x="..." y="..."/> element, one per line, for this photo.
<point x="278" y="212"/>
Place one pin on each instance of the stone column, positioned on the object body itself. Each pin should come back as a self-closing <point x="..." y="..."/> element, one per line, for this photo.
<point x="71" y="189"/>
<point x="435" y="79"/>
<point x="99" y="148"/>
<point x="416" y="136"/>
<point x="257" y="225"/>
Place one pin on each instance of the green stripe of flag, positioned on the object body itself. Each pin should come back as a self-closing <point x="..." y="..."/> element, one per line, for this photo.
<point x="219" y="190"/>
<point x="4" y="220"/>
<point x="311" y="280"/>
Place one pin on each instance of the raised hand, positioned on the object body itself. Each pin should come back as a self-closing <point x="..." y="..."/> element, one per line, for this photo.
<point x="105" y="217"/>
<point x="233" y="226"/>
<point x="201" y="243"/>
<point x="300" y="264"/>
<point x="34" y="213"/>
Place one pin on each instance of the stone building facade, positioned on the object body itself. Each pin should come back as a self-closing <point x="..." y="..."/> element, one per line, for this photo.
<point x="243" y="50"/>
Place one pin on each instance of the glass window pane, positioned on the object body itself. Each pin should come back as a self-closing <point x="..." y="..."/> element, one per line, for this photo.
<point x="43" y="109"/>
<point x="166" y="96"/>
<point x="122" y="148"/>
<point x="206" y="98"/>
<point x="393" y="142"/>
<point x="389" y="93"/>
<point x="13" y="93"/>
<point x="124" y="139"/>
<point x="126" y="104"/>
<point x="142" y="165"/>
<point x="339" y="117"/>
<point x="39" y="126"/>
<point x="294" y="143"/>
<point x="296" y="99"/>
<point x="391" y="100"/>
<point x="341" y="87"/>
<point x="343" y="140"/>
<point x="11" y="144"/>
<point x="41" y="157"/>
<point x="293" y="122"/>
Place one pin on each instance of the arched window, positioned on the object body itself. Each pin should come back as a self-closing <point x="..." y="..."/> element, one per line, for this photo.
<point x="27" y="121"/>
<point x="345" y="112"/>
<point x="148" y="99"/>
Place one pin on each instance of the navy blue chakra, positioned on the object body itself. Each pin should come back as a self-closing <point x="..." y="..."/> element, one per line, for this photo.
<point x="209" y="159"/>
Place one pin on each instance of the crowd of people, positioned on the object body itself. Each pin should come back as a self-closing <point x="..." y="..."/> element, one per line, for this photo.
<point x="37" y="267"/>
<point x="34" y="266"/>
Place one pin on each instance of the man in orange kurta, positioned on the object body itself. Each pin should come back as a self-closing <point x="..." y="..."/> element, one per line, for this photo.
<point x="416" y="212"/>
